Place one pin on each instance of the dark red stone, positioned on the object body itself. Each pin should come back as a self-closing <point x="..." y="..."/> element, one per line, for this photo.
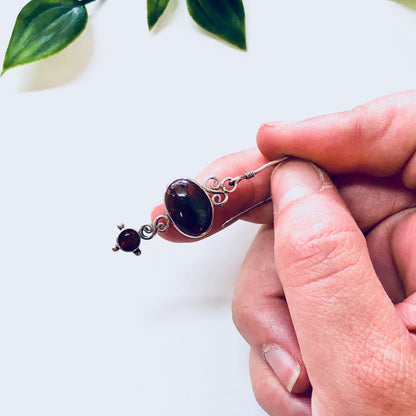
<point x="128" y="240"/>
<point x="189" y="207"/>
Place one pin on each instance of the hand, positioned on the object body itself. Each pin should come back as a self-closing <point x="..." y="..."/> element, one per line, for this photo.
<point x="315" y="294"/>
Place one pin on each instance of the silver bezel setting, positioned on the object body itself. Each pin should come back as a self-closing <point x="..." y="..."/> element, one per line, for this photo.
<point x="209" y="199"/>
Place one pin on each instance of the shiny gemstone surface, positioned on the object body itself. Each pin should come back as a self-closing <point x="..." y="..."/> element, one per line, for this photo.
<point x="128" y="240"/>
<point x="189" y="207"/>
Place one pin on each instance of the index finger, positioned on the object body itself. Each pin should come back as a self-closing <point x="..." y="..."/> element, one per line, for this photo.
<point x="378" y="138"/>
<point x="247" y="194"/>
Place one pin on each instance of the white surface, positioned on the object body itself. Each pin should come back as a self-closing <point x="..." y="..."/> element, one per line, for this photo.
<point x="91" y="137"/>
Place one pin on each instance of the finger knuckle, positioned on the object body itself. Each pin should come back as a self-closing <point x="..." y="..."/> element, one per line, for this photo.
<point x="373" y="121"/>
<point x="250" y="316"/>
<point x="241" y="311"/>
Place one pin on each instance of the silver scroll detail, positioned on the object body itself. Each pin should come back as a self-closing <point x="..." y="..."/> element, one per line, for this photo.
<point x="221" y="188"/>
<point x="160" y="225"/>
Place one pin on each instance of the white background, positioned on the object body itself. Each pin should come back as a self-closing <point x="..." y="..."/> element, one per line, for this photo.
<point x="91" y="137"/>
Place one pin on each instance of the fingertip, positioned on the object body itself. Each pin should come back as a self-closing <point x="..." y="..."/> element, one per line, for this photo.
<point x="295" y="179"/>
<point x="287" y="369"/>
<point x="266" y="141"/>
<point x="271" y="395"/>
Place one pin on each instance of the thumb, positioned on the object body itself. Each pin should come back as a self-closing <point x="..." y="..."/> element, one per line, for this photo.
<point x="352" y="340"/>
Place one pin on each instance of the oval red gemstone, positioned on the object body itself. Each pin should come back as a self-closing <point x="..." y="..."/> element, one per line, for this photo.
<point x="128" y="240"/>
<point x="189" y="207"/>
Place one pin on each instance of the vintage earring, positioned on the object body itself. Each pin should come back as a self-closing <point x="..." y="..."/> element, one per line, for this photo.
<point x="189" y="208"/>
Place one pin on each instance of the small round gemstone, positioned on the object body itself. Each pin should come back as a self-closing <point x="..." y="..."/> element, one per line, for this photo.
<point x="128" y="240"/>
<point x="189" y="207"/>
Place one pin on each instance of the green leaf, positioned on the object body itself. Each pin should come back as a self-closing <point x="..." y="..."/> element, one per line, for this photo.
<point x="43" y="28"/>
<point x="408" y="3"/>
<point x="224" y="18"/>
<point x="155" y="9"/>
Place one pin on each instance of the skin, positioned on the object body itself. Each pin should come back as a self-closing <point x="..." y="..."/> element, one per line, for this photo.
<point x="330" y="279"/>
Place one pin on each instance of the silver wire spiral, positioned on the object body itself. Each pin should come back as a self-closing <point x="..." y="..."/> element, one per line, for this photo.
<point x="160" y="225"/>
<point x="219" y="189"/>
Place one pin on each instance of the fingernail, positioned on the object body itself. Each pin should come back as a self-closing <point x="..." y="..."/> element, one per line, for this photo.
<point x="295" y="179"/>
<point x="278" y="123"/>
<point x="286" y="368"/>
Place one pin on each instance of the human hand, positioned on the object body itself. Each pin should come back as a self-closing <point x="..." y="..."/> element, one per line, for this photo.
<point x="314" y="296"/>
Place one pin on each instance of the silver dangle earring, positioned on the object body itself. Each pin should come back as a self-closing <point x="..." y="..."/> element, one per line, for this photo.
<point x="189" y="208"/>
